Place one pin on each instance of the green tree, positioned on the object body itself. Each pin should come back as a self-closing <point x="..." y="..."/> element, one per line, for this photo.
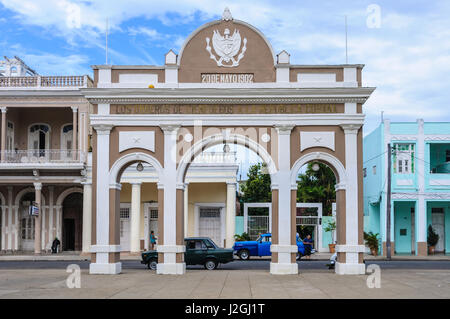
<point x="256" y="188"/>
<point x="317" y="187"/>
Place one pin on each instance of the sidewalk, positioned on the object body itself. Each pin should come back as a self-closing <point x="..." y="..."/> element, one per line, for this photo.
<point x="66" y="256"/>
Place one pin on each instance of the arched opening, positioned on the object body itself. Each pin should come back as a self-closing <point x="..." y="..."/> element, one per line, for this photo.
<point x="320" y="178"/>
<point x="134" y="180"/>
<point x="72" y="222"/>
<point x="213" y="171"/>
<point x="315" y="215"/>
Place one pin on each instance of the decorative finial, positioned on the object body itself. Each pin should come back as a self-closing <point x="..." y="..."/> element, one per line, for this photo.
<point x="226" y="16"/>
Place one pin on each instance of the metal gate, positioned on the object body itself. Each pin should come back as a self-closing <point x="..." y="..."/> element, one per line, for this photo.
<point x="125" y="227"/>
<point x="254" y="225"/>
<point x="210" y="225"/>
<point x="257" y="225"/>
<point x="310" y="214"/>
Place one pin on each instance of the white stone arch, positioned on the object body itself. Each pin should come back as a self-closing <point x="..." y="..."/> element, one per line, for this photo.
<point x="67" y="192"/>
<point x="215" y="139"/>
<point x="23" y="192"/>
<point x="129" y="158"/>
<point x="206" y="25"/>
<point x="326" y="158"/>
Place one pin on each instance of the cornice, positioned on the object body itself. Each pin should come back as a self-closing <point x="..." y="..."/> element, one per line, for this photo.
<point x="206" y="100"/>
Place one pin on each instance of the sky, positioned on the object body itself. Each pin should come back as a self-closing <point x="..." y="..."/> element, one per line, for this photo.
<point x="405" y="45"/>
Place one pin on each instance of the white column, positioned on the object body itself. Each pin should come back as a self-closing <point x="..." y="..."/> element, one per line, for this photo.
<point x="169" y="180"/>
<point x="351" y="247"/>
<point x="51" y="222"/>
<point x="284" y="248"/>
<point x="74" y="131"/>
<point x="135" y="222"/>
<point x="8" y="216"/>
<point x="3" y="134"/>
<point x="3" y="229"/>
<point x="421" y="215"/>
<point x="102" y="248"/>
<point x="58" y="209"/>
<point x="37" y="226"/>
<point x="231" y="214"/>
<point x="87" y="217"/>
<point x="186" y="208"/>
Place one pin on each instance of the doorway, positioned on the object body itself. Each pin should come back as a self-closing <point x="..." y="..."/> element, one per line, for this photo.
<point x="437" y="222"/>
<point x="69" y="234"/>
<point x="72" y="227"/>
<point x="211" y="222"/>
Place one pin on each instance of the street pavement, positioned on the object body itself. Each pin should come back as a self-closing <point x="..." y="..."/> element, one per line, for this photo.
<point x="239" y="279"/>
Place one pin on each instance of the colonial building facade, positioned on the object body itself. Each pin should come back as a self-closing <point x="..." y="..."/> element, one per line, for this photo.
<point x="420" y="184"/>
<point x="153" y="124"/>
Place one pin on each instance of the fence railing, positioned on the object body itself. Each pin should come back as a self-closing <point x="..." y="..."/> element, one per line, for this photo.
<point x="46" y="81"/>
<point x="43" y="156"/>
<point x="308" y="220"/>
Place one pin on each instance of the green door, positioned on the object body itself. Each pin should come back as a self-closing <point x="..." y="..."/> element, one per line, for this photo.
<point x="402" y="227"/>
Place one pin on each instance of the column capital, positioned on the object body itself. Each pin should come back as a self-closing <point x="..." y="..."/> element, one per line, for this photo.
<point x="37" y="186"/>
<point x="74" y="109"/>
<point x="86" y="183"/>
<point x="351" y="128"/>
<point x="284" y="129"/>
<point x="170" y="128"/>
<point x="181" y="186"/>
<point x="137" y="183"/>
<point x="103" y="129"/>
<point x="3" y="109"/>
<point x="116" y="186"/>
<point x="339" y="187"/>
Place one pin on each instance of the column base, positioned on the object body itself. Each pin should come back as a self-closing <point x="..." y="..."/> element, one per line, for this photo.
<point x="173" y="262"/>
<point x="105" y="269"/>
<point x="350" y="269"/>
<point x="283" y="269"/>
<point x="422" y="249"/>
<point x="171" y="269"/>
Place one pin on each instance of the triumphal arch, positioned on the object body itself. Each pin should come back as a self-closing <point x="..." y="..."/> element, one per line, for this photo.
<point x="226" y="85"/>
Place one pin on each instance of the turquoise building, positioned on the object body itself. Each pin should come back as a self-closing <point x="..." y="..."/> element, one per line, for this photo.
<point x="420" y="184"/>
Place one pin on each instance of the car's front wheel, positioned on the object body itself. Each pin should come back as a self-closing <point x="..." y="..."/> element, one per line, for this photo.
<point x="152" y="264"/>
<point x="211" y="264"/>
<point x="243" y="254"/>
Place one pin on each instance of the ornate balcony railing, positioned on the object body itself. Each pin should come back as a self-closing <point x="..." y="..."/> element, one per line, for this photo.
<point x="46" y="81"/>
<point x="43" y="156"/>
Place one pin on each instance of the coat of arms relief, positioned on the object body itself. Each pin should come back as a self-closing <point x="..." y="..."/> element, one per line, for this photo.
<point x="227" y="47"/>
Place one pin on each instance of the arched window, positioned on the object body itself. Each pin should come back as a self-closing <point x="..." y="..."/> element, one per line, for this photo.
<point x="67" y="140"/>
<point x="39" y="139"/>
<point x="10" y="136"/>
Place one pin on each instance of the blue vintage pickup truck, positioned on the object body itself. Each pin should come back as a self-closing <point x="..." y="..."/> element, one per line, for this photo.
<point x="260" y="247"/>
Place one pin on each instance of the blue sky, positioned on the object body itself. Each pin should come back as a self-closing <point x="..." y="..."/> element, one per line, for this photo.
<point x="407" y="58"/>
